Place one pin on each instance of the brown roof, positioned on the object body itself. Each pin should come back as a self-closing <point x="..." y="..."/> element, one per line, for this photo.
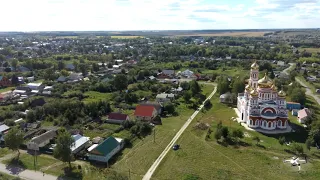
<point x="156" y="105"/>
<point x="145" y="111"/>
<point x="117" y="116"/>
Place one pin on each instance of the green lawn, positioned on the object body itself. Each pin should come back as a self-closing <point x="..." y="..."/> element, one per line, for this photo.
<point x="8" y="177"/>
<point x="209" y="160"/>
<point x="313" y="89"/>
<point x="4" y="151"/>
<point x="144" y="151"/>
<point x="96" y="96"/>
<point x="6" y="89"/>
<point x="27" y="161"/>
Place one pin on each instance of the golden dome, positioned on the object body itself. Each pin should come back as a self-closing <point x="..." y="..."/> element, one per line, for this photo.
<point x="274" y="88"/>
<point x="248" y="87"/>
<point x="265" y="82"/>
<point x="254" y="65"/>
<point x="281" y="94"/>
<point x="254" y="92"/>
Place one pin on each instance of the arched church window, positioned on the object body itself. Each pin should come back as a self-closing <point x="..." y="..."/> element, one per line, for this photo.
<point x="264" y="124"/>
<point x="269" y="124"/>
<point x="279" y="123"/>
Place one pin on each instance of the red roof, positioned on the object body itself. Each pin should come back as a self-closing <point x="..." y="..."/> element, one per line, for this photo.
<point x="117" y="116"/>
<point x="145" y="111"/>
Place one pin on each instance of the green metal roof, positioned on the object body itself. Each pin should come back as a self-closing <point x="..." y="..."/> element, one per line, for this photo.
<point x="107" y="146"/>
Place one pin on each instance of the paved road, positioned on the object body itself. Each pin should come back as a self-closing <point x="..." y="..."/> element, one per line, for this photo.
<point x="308" y="91"/>
<point x="26" y="174"/>
<point x="154" y="166"/>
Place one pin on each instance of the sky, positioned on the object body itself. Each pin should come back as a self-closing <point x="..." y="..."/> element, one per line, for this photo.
<point x="115" y="15"/>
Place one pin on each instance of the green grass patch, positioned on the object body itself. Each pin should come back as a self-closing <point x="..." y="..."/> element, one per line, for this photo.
<point x="6" y="89"/>
<point x="94" y="96"/>
<point x="4" y="151"/>
<point x="4" y="176"/>
<point x="309" y="85"/>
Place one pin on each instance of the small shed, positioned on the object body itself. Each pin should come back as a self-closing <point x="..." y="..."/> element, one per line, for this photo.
<point x="293" y="105"/>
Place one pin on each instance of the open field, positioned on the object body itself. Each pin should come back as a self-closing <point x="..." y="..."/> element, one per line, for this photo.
<point x="140" y="157"/>
<point x="233" y="34"/>
<point x="311" y="50"/>
<point x="206" y="159"/>
<point x="125" y="37"/>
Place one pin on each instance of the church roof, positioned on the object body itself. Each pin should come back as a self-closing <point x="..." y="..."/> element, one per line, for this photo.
<point x="254" y="65"/>
<point x="254" y="92"/>
<point x="282" y="93"/>
<point x="265" y="82"/>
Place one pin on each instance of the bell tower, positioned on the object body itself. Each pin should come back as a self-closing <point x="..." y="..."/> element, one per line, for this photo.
<point x="254" y="75"/>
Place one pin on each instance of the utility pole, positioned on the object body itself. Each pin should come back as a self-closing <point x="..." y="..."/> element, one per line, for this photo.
<point x="129" y="174"/>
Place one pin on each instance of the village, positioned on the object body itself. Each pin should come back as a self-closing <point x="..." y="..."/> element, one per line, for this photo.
<point x="116" y="99"/>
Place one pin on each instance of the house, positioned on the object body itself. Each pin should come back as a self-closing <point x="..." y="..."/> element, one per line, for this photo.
<point x="145" y="113"/>
<point x="115" y="66"/>
<point x="152" y="78"/>
<point x="177" y="90"/>
<point x="3" y="130"/>
<point x="293" y="105"/>
<point x="226" y="98"/>
<point x="75" y="77"/>
<point x="79" y="143"/>
<point x="280" y="63"/>
<point x="20" y="80"/>
<point x="117" y="118"/>
<point x="35" y="86"/>
<point x="303" y="115"/>
<point x="47" y="90"/>
<point x="106" y="150"/>
<point x="163" y="97"/>
<point x="169" y="73"/>
<point x="62" y="79"/>
<point x="22" y="90"/>
<point x="187" y="73"/>
<point x="156" y="105"/>
<point x="294" y="112"/>
<point x="70" y="67"/>
<point x="5" y="82"/>
<point x="30" y="79"/>
<point x="42" y="140"/>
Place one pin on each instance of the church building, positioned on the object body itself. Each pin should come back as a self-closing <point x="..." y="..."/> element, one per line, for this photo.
<point x="261" y="105"/>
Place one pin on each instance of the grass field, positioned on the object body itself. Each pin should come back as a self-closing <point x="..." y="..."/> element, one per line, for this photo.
<point x="125" y="37"/>
<point x="4" y="151"/>
<point x="144" y="151"/>
<point x="311" y="50"/>
<point x="96" y="96"/>
<point x="233" y="34"/>
<point x="207" y="159"/>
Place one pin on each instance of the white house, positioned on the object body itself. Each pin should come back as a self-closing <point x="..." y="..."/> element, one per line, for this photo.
<point x="187" y="73"/>
<point x="30" y="79"/>
<point x="106" y="150"/>
<point x="303" y="115"/>
<point x="79" y="143"/>
<point x="35" y="86"/>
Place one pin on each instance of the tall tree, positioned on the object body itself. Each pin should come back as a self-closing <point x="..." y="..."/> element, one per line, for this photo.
<point x="14" y="139"/>
<point x="121" y="82"/>
<point x="14" y="64"/>
<point x="64" y="142"/>
<point x="195" y="87"/>
<point x="238" y="86"/>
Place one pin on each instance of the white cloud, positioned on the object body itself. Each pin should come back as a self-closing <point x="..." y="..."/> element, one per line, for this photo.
<point x="50" y="15"/>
